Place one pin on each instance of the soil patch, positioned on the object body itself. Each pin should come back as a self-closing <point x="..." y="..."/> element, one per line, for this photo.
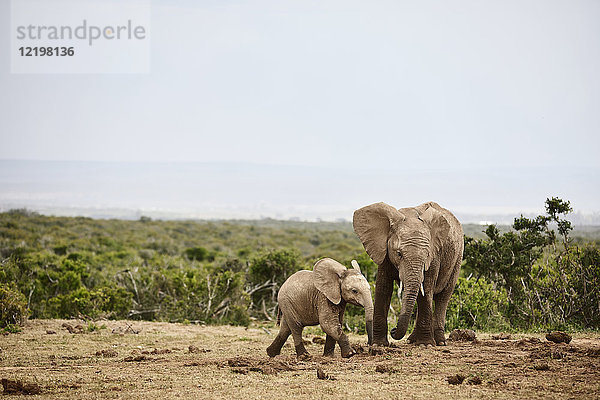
<point x="456" y="379"/>
<point x="107" y="353"/>
<point x="18" y="387"/>
<point x="271" y="366"/>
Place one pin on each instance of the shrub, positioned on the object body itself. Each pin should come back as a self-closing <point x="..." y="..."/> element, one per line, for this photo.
<point x="13" y="306"/>
<point x="477" y="304"/>
<point x="199" y="254"/>
<point x="108" y="302"/>
<point x="266" y="273"/>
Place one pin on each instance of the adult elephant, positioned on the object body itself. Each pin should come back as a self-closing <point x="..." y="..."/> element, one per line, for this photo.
<point x="421" y="248"/>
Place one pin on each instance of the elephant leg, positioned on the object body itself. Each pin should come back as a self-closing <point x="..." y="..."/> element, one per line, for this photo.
<point x="330" y="340"/>
<point x="329" y="346"/>
<point x="441" y="305"/>
<point x="284" y="332"/>
<point x="298" y="341"/>
<point x="439" y="316"/>
<point x="384" y="286"/>
<point x="423" y="332"/>
<point x="338" y="335"/>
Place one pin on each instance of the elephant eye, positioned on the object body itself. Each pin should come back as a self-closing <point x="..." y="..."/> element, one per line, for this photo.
<point x="399" y="253"/>
<point x="354" y="291"/>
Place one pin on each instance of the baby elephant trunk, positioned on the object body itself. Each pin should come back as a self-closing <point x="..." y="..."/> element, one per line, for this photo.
<point x="369" y="319"/>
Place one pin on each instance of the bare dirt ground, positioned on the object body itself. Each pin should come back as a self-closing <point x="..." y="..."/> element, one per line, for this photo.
<point x="143" y="360"/>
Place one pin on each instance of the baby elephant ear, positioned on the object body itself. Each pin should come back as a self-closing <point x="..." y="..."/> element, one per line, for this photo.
<point x="328" y="273"/>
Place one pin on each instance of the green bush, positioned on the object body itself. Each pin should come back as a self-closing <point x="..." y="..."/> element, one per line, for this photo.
<point x="266" y="273"/>
<point x="477" y="304"/>
<point x="13" y="306"/>
<point x="107" y="302"/>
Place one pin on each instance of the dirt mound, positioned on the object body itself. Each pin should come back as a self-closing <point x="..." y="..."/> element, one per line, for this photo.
<point x="136" y="356"/>
<point x="462" y="335"/>
<point x="128" y="328"/>
<point x="358" y="348"/>
<point x="194" y="349"/>
<point x="455" y="379"/>
<point x="528" y="341"/>
<point x="559" y="337"/>
<point x="501" y="336"/>
<point x="272" y="366"/>
<point x="107" y="353"/>
<point x="322" y="375"/>
<point x="386" y="369"/>
<point x="17" y="387"/>
<point x="73" y="329"/>
<point x="474" y="380"/>
<point x="157" y="351"/>
<point x="541" y="366"/>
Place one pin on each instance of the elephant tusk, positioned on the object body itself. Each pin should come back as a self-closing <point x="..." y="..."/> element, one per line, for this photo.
<point x="422" y="291"/>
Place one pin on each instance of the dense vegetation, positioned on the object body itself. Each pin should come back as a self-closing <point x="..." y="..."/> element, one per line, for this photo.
<point x="229" y="272"/>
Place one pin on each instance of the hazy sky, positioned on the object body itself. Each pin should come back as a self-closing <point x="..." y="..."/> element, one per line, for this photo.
<point x="377" y="85"/>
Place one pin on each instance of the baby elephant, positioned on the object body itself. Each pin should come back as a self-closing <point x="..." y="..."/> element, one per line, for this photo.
<point x="319" y="297"/>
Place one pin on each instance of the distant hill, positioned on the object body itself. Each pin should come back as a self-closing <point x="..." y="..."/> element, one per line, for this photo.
<point x="208" y="191"/>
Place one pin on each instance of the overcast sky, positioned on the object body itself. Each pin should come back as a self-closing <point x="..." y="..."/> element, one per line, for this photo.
<point x="377" y="85"/>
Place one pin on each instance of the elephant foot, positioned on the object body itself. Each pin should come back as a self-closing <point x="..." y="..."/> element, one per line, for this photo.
<point x="272" y="352"/>
<point x="348" y="353"/>
<point x="419" y="338"/>
<point x="345" y="347"/>
<point x="301" y="352"/>
<point x="327" y="353"/>
<point x="440" y="338"/>
<point x="395" y="335"/>
<point x="381" y="342"/>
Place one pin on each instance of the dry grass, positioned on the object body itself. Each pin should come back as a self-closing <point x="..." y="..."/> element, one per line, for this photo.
<point x="230" y="362"/>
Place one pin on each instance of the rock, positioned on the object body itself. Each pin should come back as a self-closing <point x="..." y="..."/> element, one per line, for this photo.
<point x="462" y="335"/>
<point x="559" y="337"/>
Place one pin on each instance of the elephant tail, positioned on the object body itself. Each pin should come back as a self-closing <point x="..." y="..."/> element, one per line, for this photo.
<point x="279" y="314"/>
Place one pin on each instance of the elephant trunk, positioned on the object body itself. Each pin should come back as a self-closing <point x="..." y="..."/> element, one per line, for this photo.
<point x="369" y="318"/>
<point x="411" y="290"/>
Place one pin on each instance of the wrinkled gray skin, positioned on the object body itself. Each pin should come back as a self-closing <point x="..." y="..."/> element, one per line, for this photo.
<point x="319" y="297"/>
<point x="422" y="244"/>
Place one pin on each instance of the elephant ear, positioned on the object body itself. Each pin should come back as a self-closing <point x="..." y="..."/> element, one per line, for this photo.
<point x="431" y="214"/>
<point x="372" y="225"/>
<point x="328" y="273"/>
